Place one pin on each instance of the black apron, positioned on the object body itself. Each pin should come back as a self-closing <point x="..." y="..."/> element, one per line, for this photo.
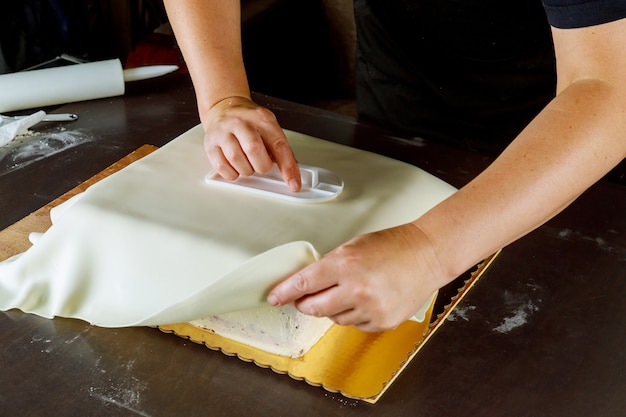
<point x="470" y="72"/>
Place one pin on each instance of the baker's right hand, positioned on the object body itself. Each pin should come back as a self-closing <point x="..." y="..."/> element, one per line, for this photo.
<point x="242" y="138"/>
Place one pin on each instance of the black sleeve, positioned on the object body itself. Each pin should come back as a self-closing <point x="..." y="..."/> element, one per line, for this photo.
<point x="567" y="14"/>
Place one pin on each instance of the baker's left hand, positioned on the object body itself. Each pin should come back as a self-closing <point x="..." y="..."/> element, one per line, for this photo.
<point x="374" y="282"/>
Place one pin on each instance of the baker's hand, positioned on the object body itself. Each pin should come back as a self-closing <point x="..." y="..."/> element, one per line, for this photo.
<point x="242" y="138"/>
<point x="374" y="282"/>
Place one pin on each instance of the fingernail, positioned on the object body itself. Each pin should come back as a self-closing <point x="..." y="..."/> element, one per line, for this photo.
<point x="294" y="185"/>
<point x="272" y="299"/>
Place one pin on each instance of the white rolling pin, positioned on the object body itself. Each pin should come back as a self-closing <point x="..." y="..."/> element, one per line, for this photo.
<point x="67" y="84"/>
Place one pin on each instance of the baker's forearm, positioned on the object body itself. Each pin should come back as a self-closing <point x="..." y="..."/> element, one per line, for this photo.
<point x="241" y="137"/>
<point x="569" y="146"/>
<point x="209" y="35"/>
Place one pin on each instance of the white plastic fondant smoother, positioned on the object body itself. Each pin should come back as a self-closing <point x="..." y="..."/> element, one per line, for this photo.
<point x="318" y="184"/>
<point x="51" y="86"/>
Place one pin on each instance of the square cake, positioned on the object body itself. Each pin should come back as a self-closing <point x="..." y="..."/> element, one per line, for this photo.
<point x="279" y="330"/>
<point x="155" y="244"/>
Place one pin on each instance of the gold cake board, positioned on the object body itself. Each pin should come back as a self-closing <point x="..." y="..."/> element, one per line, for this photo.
<point x="346" y="360"/>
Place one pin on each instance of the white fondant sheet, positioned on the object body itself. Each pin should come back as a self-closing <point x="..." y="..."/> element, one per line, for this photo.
<point x="155" y="244"/>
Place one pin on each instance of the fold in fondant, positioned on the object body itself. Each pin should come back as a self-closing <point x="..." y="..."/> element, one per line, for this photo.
<point x="154" y="244"/>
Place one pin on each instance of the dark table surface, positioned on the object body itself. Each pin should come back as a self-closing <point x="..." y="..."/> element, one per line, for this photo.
<point x="541" y="334"/>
